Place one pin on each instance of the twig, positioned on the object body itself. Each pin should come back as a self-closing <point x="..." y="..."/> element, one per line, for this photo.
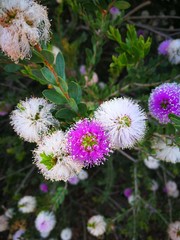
<point x="153" y="17"/>
<point x="128" y="156"/>
<point x="149" y="28"/>
<point x="142" y="5"/>
<point x="25" y="179"/>
<point x="20" y="170"/>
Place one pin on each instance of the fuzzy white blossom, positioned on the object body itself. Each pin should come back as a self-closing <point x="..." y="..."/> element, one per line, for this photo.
<point x="174" y="51"/>
<point x="33" y="118"/>
<point x="154" y="186"/>
<point x="96" y="225"/>
<point x="52" y="159"/>
<point x="166" y="150"/>
<point x="45" y="222"/>
<point x="131" y="199"/>
<point x="83" y="175"/>
<point x="124" y="121"/>
<point x="27" y="204"/>
<point x="66" y="234"/>
<point x="4" y="225"/>
<point x="151" y="162"/>
<point x="23" y="24"/>
<point x="171" y="189"/>
<point x="174" y="230"/>
<point x="9" y="213"/>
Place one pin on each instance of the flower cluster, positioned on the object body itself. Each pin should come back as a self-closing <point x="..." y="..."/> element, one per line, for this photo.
<point x="21" y="27"/>
<point x="96" y="225"/>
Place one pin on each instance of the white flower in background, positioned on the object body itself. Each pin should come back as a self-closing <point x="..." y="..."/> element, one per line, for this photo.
<point x="27" y="204"/>
<point x="151" y="162"/>
<point x="166" y="150"/>
<point x="55" y="51"/>
<point x="124" y="121"/>
<point x="21" y="27"/>
<point x="45" y="222"/>
<point x="171" y="189"/>
<point x="66" y="234"/>
<point x="52" y="159"/>
<point x="96" y="225"/>
<point x="4" y="225"/>
<point x="83" y="175"/>
<point x="33" y="118"/>
<point x="174" y="230"/>
<point x="174" y="51"/>
<point x="9" y="213"/>
<point x="131" y="200"/>
<point x="154" y="186"/>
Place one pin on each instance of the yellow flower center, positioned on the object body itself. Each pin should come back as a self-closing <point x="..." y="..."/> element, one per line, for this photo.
<point x="89" y="141"/>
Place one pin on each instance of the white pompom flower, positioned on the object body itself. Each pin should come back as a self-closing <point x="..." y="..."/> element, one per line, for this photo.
<point x="83" y="175"/>
<point x="96" y="225"/>
<point x="124" y="121"/>
<point x="53" y="160"/>
<point x="27" y="204"/>
<point x="172" y="189"/>
<point x="151" y="162"/>
<point x="45" y="223"/>
<point x="174" y="230"/>
<point x="174" y="51"/>
<point x="33" y="118"/>
<point x="166" y="150"/>
<point x="66" y="234"/>
<point x="21" y="27"/>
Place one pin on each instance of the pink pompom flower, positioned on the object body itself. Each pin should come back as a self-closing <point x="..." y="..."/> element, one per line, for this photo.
<point x="88" y="142"/>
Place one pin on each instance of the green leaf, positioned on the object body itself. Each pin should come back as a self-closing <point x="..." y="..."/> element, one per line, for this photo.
<point x="175" y="119"/>
<point x="82" y="109"/>
<point x="38" y="76"/>
<point x="73" y="104"/>
<point x="60" y="66"/>
<point x="12" y="68"/>
<point x="66" y="114"/>
<point x="75" y="91"/>
<point x="48" y="160"/>
<point x="49" y="76"/>
<point x="54" y="96"/>
<point x="48" y="56"/>
<point x="122" y="5"/>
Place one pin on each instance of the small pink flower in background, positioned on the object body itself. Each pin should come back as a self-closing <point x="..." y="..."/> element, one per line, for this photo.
<point x="140" y="32"/>
<point x="114" y="11"/>
<point x="163" y="47"/>
<point x="82" y="69"/>
<point x="73" y="180"/>
<point x="89" y="81"/>
<point x="5" y="108"/>
<point x="127" y="192"/>
<point x="171" y="189"/>
<point x="174" y="230"/>
<point x="43" y="187"/>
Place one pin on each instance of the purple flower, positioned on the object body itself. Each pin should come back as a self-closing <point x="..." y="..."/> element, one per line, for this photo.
<point x="18" y="234"/>
<point x="73" y="180"/>
<point x="114" y="11"/>
<point x="163" y="47"/>
<point x="43" y="187"/>
<point x="127" y="192"/>
<point x="82" y="69"/>
<point x="88" y="142"/>
<point x="140" y="32"/>
<point x="164" y="100"/>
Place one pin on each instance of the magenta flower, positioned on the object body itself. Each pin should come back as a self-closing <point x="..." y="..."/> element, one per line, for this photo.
<point x="127" y="192"/>
<point x="164" y="100"/>
<point x="88" y="142"/>
<point x="163" y="47"/>
<point x="43" y="187"/>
